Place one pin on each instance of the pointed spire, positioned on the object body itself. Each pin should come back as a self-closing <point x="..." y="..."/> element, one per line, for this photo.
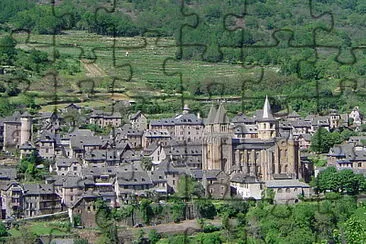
<point x="211" y="115"/>
<point x="267" y="113"/>
<point x="221" y="117"/>
<point x="291" y="135"/>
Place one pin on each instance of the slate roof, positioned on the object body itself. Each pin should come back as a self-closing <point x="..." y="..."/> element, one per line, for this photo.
<point x="188" y="119"/>
<point x="167" y="166"/>
<point x="211" y="115"/>
<point x="8" y="173"/>
<point x="79" y="142"/>
<point x="243" y="178"/>
<point x="134" y="116"/>
<point x="211" y="174"/>
<point x="241" y="118"/>
<point x="293" y="114"/>
<point x="196" y="173"/>
<point x="77" y="133"/>
<point x="159" y="133"/>
<point x="307" y="137"/>
<point x="133" y="178"/>
<point x="163" y="122"/>
<point x="26" y="114"/>
<point x="66" y="162"/>
<point x="127" y="130"/>
<point x="106" y="115"/>
<point x="27" y="146"/>
<point x="221" y="116"/>
<point x="254" y="143"/>
<point x="245" y="129"/>
<point x="286" y="184"/>
<point x="73" y="105"/>
<point x="15" y="117"/>
<point x="157" y="177"/>
<point x="182" y="119"/>
<point x="38" y="189"/>
<point x="321" y="121"/>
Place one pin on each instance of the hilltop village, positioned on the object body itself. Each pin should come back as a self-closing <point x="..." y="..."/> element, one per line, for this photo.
<point x="239" y="158"/>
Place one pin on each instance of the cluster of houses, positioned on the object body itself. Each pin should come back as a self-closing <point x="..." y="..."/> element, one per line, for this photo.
<point x="242" y="156"/>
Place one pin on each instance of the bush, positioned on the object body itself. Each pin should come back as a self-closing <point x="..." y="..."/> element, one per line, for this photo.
<point x="205" y="209"/>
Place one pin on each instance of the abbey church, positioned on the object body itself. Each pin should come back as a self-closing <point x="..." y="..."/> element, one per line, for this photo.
<point x="250" y="146"/>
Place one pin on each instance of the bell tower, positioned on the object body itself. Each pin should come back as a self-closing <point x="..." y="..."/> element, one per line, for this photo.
<point x="267" y="124"/>
<point x="217" y="141"/>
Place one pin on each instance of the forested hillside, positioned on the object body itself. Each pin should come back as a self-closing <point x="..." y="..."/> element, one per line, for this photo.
<point x="277" y="35"/>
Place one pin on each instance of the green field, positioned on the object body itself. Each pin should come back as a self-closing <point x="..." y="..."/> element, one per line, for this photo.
<point x="146" y="56"/>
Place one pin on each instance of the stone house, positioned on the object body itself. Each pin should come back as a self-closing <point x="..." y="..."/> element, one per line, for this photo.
<point x="246" y="186"/>
<point x="138" y="121"/>
<point x="288" y="191"/>
<point x="69" y="166"/>
<point x="39" y="199"/>
<point x="130" y="183"/>
<point x="11" y="200"/>
<point x="103" y="119"/>
<point x="85" y="208"/>
<point x="155" y="136"/>
<point x="216" y="184"/>
<point x="304" y="141"/>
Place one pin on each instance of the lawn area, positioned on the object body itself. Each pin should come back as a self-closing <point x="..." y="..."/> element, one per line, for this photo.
<point x="41" y="229"/>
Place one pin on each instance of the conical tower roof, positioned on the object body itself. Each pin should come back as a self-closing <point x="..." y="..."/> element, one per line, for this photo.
<point x="221" y="117"/>
<point x="266" y="112"/>
<point x="211" y="115"/>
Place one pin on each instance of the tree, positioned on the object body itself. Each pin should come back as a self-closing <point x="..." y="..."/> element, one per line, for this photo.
<point x="7" y="50"/>
<point x="355" y="231"/>
<point x="322" y="141"/>
<point x="146" y="210"/>
<point x="154" y="236"/>
<point x="178" y="209"/>
<point x="146" y="163"/>
<point x="81" y="241"/>
<point x="208" y="238"/>
<point x="326" y="180"/>
<point x="339" y="181"/>
<point x="27" y="168"/>
<point x="205" y="208"/>
<point x="187" y="187"/>
<point x="3" y="231"/>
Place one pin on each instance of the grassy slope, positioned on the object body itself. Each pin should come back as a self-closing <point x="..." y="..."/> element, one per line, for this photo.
<point x="146" y="61"/>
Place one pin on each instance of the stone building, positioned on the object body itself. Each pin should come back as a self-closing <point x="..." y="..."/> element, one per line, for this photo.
<point x="183" y="127"/>
<point x="217" y="141"/>
<point x="17" y="129"/>
<point x="103" y="119"/>
<point x="138" y="121"/>
<point x="266" y="156"/>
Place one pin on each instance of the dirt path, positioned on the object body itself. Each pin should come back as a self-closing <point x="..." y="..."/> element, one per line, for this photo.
<point x="92" y="69"/>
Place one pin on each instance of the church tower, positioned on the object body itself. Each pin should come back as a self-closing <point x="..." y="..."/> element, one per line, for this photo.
<point x="217" y="144"/>
<point x="267" y="124"/>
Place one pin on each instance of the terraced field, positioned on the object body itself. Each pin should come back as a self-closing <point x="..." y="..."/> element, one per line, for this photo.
<point x="135" y="65"/>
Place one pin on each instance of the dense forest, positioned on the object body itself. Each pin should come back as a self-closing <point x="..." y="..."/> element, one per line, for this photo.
<point x="309" y="64"/>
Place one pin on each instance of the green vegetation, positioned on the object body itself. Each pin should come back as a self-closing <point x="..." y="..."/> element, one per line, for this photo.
<point x="187" y="188"/>
<point x="27" y="169"/>
<point x="344" y="181"/>
<point x="214" y="72"/>
<point x="336" y="219"/>
<point x="323" y="140"/>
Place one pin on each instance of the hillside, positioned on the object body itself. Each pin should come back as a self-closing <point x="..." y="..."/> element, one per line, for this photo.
<point x="277" y="37"/>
